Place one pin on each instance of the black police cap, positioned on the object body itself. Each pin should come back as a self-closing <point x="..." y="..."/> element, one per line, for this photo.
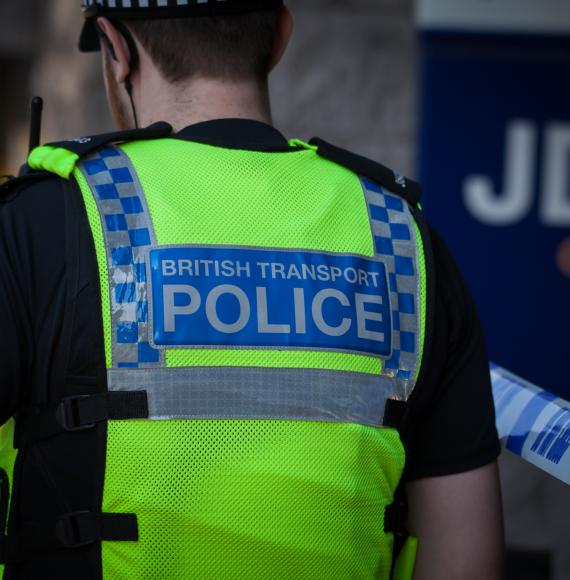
<point x="151" y="9"/>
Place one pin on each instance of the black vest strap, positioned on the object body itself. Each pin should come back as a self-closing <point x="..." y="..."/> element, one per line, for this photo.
<point x="396" y="514"/>
<point x="395" y="414"/>
<point x="69" y="531"/>
<point x="79" y="413"/>
<point x="85" y="145"/>
<point x="395" y="517"/>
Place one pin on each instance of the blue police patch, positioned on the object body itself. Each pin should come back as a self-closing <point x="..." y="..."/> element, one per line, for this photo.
<point x="250" y="298"/>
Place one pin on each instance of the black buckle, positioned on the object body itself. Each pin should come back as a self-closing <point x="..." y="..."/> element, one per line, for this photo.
<point x="395" y="518"/>
<point x="68" y="416"/>
<point x="395" y="414"/>
<point x="77" y="529"/>
<point x="79" y="413"/>
<point x="69" y="531"/>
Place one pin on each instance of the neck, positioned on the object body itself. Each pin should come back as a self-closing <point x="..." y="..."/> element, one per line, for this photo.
<point x="200" y="100"/>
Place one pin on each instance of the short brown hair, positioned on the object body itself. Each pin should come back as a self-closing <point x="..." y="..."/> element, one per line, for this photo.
<point x="231" y="46"/>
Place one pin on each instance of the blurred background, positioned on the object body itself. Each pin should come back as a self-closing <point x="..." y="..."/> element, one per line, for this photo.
<point x="471" y="97"/>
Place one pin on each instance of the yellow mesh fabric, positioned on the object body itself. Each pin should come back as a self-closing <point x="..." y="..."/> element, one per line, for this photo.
<point x="251" y="500"/>
<point x="53" y="159"/>
<point x="7" y="459"/>
<point x="423" y="295"/>
<point x="210" y="195"/>
<point x="406" y="561"/>
<point x="98" y="238"/>
<point x="247" y="500"/>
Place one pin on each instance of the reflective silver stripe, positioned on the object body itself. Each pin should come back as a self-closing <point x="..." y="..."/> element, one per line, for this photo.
<point x="259" y="393"/>
<point x="394" y="234"/>
<point x="128" y="234"/>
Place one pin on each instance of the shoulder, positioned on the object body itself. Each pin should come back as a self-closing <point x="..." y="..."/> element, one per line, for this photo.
<point x="452" y="291"/>
<point x="457" y="330"/>
<point x="452" y="412"/>
<point x="32" y="216"/>
<point x="33" y="186"/>
<point x="61" y="158"/>
<point x="387" y="178"/>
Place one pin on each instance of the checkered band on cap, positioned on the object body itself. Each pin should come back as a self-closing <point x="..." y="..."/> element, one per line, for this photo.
<point x="151" y="5"/>
<point x="156" y="9"/>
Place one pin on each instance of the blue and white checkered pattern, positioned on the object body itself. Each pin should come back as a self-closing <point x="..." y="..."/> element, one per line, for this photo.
<point x="128" y="235"/>
<point x="532" y="423"/>
<point x="136" y="4"/>
<point x="395" y="243"/>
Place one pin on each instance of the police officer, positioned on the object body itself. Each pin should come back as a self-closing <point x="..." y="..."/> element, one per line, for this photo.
<point x="225" y="355"/>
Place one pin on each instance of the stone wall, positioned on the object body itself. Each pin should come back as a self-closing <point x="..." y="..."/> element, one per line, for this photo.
<point x="18" y="47"/>
<point x="537" y="515"/>
<point x="348" y="77"/>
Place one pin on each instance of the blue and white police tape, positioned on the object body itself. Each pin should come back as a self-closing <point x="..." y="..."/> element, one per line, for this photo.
<point x="532" y="423"/>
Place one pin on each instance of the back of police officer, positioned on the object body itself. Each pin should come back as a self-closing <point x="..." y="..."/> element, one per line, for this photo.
<point x="213" y="359"/>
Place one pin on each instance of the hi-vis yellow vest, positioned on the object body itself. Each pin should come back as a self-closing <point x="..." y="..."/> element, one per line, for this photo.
<point x="264" y="316"/>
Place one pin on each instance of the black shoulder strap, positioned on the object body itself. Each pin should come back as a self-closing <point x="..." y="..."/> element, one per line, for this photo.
<point x="85" y="145"/>
<point x="392" y="181"/>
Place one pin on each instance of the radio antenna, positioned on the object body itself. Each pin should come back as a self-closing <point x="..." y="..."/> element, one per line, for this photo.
<point x="37" y="107"/>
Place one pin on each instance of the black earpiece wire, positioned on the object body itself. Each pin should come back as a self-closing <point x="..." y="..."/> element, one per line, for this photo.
<point x="109" y="46"/>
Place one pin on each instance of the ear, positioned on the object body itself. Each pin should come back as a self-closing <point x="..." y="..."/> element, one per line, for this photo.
<point x="283" y="34"/>
<point x="117" y="47"/>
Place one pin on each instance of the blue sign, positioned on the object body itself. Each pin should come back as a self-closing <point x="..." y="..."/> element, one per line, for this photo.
<point x="495" y="166"/>
<point x="249" y="298"/>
